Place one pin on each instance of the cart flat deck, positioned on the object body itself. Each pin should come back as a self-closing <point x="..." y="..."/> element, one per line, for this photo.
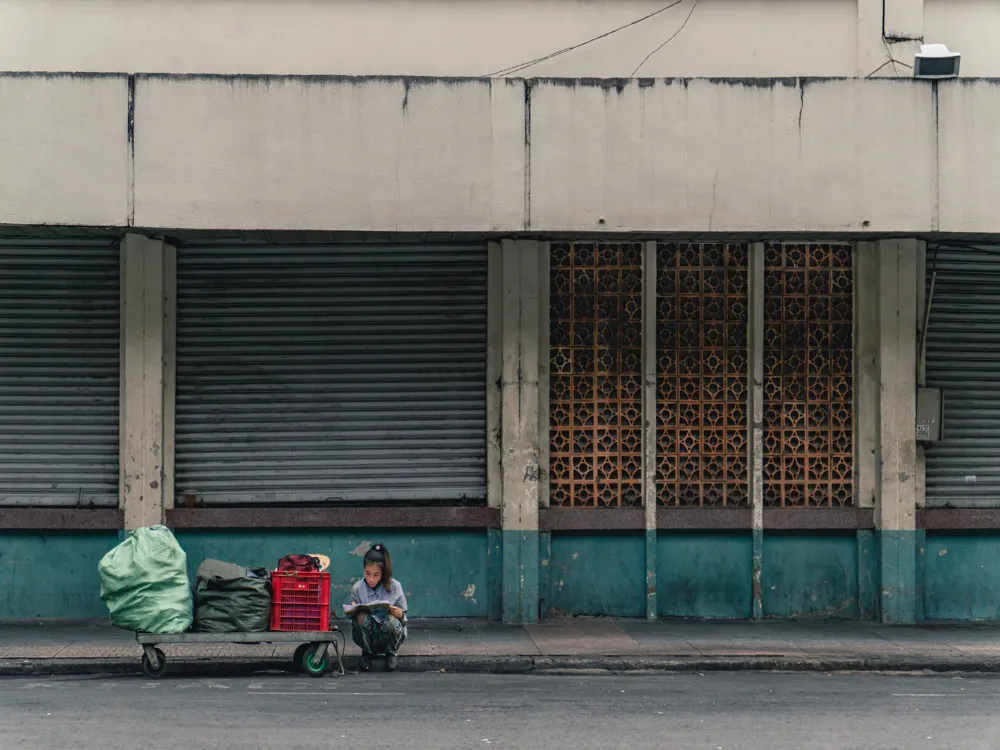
<point x="323" y="636"/>
<point x="311" y="655"/>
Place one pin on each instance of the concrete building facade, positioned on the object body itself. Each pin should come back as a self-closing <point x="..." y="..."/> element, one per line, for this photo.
<point x="599" y="342"/>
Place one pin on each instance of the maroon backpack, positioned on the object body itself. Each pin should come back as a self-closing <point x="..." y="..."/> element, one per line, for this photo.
<point x="298" y="564"/>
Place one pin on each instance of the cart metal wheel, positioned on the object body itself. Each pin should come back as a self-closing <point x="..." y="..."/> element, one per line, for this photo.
<point x="310" y="665"/>
<point x="299" y="653"/>
<point x="147" y="666"/>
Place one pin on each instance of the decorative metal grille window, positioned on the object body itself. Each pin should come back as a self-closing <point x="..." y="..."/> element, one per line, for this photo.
<point x="808" y="375"/>
<point x="595" y="412"/>
<point x="701" y="333"/>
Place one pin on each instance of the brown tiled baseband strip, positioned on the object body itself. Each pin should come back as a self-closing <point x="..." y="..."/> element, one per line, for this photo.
<point x="551" y="519"/>
<point x="61" y="519"/>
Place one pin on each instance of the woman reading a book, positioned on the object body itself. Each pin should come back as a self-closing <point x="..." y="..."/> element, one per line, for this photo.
<point x="378" y="609"/>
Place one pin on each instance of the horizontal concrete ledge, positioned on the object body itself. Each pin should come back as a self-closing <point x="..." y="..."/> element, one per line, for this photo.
<point x="201" y="237"/>
<point x="765" y="82"/>
<point x="426" y="154"/>
<point x="61" y="519"/>
<point x="958" y="519"/>
<point x="299" y="518"/>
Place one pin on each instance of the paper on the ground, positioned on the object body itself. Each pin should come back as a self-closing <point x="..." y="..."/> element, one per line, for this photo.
<point x="352" y="609"/>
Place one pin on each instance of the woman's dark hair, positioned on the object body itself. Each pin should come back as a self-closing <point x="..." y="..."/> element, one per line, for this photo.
<point x="379" y="555"/>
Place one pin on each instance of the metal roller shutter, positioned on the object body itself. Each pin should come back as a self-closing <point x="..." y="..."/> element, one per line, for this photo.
<point x="59" y="373"/>
<point x="963" y="359"/>
<point x="310" y="374"/>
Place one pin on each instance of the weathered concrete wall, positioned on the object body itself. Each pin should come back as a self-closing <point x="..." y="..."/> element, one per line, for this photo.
<point x="966" y="26"/>
<point x="63" y="149"/>
<point x="969" y="155"/>
<point x="386" y="155"/>
<point x="734" y="155"/>
<point x="348" y="154"/>
<point x="430" y="37"/>
<point x="762" y="38"/>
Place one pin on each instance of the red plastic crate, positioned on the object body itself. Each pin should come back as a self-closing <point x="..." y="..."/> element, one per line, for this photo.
<point x="301" y="601"/>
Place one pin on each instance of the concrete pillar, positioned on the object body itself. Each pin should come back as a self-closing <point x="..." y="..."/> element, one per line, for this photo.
<point x="544" y="357"/>
<point x="867" y="341"/>
<point x="520" y="448"/>
<point x="148" y="310"/>
<point x="895" y="515"/>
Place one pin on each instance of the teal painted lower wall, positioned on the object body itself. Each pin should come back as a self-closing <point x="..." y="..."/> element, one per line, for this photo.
<point x="598" y="574"/>
<point x="961" y="573"/>
<point x="896" y="577"/>
<point x="897" y="553"/>
<point x="52" y="575"/>
<point x="520" y="576"/>
<point x="704" y="575"/>
<point x="494" y="573"/>
<point x="544" y="573"/>
<point x="867" y="575"/>
<point x="811" y="575"/>
<point x="444" y="573"/>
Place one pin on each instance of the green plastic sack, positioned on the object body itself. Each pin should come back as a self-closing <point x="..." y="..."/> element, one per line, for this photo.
<point x="230" y="598"/>
<point x="144" y="583"/>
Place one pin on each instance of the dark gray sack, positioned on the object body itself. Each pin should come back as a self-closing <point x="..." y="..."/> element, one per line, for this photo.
<point x="229" y="599"/>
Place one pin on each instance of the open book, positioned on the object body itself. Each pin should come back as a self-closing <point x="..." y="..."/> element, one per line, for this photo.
<point x="354" y="609"/>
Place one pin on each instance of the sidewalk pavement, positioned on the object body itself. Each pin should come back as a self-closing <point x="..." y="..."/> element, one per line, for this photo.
<point x="575" y="643"/>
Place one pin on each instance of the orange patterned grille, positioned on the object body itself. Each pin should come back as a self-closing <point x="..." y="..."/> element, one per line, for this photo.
<point x="701" y="374"/>
<point x="595" y="376"/>
<point x="808" y="367"/>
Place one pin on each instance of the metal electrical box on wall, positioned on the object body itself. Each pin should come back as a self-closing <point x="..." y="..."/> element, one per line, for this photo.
<point x="929" y="414"/>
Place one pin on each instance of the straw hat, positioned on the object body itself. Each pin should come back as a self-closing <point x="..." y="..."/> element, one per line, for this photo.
<point x="324" y="561"/>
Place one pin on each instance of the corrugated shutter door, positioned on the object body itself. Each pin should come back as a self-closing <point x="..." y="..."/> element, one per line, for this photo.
<point x="963" y="359"/>
<point x="331" y="374"/>
<point x="59" y="374"/>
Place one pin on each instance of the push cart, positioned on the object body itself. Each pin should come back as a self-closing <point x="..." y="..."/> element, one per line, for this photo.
<point x="312" y="656"/>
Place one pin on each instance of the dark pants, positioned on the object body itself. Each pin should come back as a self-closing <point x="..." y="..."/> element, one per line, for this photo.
<point x="376" y="638"/>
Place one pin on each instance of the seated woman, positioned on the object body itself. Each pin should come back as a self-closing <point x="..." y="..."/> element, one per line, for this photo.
<point x="379" y="631"/>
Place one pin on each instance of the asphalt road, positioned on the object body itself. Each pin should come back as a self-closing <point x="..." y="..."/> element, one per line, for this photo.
<point x="687" y="712"/>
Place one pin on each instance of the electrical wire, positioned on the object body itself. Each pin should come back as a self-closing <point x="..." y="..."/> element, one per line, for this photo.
<point x="887" y="62"/>
<point x="525" y="65"/>
<point x="888" y="51"/>
<point x="646" y="58"/>
<point x="892" y="62"/>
